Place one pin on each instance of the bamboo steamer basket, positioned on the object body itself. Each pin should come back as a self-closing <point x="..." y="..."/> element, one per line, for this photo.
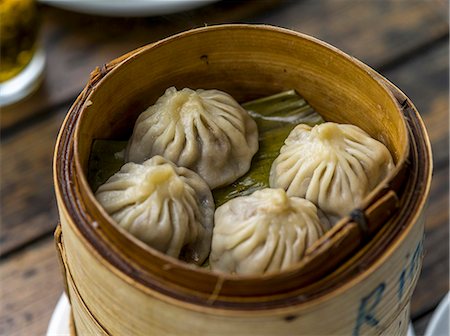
<point x="357" y="279"/>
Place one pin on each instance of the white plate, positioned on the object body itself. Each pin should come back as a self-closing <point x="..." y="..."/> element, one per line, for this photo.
<point x="439" y="323"/>
<point x="59" y="323"/>
<point x="127" y="7"/>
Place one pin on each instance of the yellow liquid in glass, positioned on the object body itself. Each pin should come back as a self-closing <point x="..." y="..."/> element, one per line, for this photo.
<point x="18" y="33"/>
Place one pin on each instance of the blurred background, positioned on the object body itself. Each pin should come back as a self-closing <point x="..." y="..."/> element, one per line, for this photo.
<point x="405" y="40"/>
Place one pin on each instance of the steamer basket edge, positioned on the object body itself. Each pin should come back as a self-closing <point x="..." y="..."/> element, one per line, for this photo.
<point x="84" y="186"/>
<point x="373" y="268"/>
<point x="123" y="59"/>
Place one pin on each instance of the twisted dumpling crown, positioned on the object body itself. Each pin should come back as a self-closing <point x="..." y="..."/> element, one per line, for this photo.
<point x="333" y="165"/>
<point x="168" y="207"/>
<point x="204" y="130"/>
<point x="263" y="232"/>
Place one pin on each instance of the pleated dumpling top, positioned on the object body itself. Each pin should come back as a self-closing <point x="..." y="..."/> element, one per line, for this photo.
<point x="266" y="231"/>
<point x="168" y="207"/>
<point x="206" y="131"/>
<point x="333" y="165"/>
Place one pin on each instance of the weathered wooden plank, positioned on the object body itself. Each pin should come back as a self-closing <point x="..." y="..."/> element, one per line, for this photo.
<point x="373" y="31"/>
<point x="420" y="325"/>
<point x="27" y="202"/>
<point x="425" y="81"/>
<point x="76" y="44"/>
<point x="31" y="285"/>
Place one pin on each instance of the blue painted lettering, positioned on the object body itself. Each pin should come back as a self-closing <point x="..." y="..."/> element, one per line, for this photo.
<point x="412" y="266"/>
<point x="367" y="307"/>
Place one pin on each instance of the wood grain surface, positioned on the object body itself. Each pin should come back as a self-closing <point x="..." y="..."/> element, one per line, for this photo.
<point x="31" y="286"/>
<point x="406" y="40"/>
<point x="28" y="202"/>
<point x="76" y="44"/>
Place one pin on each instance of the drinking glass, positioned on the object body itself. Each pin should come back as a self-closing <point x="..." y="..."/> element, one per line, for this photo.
<point x="22" y="61"/>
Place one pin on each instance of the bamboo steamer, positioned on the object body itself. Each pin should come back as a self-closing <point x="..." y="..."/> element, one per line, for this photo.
<point x="357" y="279"/>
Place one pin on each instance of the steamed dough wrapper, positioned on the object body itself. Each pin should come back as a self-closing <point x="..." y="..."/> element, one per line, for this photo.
<point x="266" y="231"/>
<point x="204" y="130"/>
<point x="333" y="165"/>
<point x="168" y="207"/>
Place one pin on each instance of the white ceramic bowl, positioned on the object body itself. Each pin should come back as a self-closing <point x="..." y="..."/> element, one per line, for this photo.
<point x="127" y="7"/>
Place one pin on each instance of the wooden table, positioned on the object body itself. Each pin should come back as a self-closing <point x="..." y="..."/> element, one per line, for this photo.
<point x="405" y="40"/>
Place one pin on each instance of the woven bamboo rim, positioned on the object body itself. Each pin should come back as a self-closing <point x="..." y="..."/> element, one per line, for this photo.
<point x="308" y="278"/>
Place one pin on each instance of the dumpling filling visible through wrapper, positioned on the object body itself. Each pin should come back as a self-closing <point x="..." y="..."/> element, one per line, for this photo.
<point x="333" y="165"/>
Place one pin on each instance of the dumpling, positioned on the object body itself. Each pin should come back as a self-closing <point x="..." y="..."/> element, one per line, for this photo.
<point x="264" y="232"/>
<point x="333" y="165"/>
<point x="168" y="207"/>
<point x="204" y="130"/>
